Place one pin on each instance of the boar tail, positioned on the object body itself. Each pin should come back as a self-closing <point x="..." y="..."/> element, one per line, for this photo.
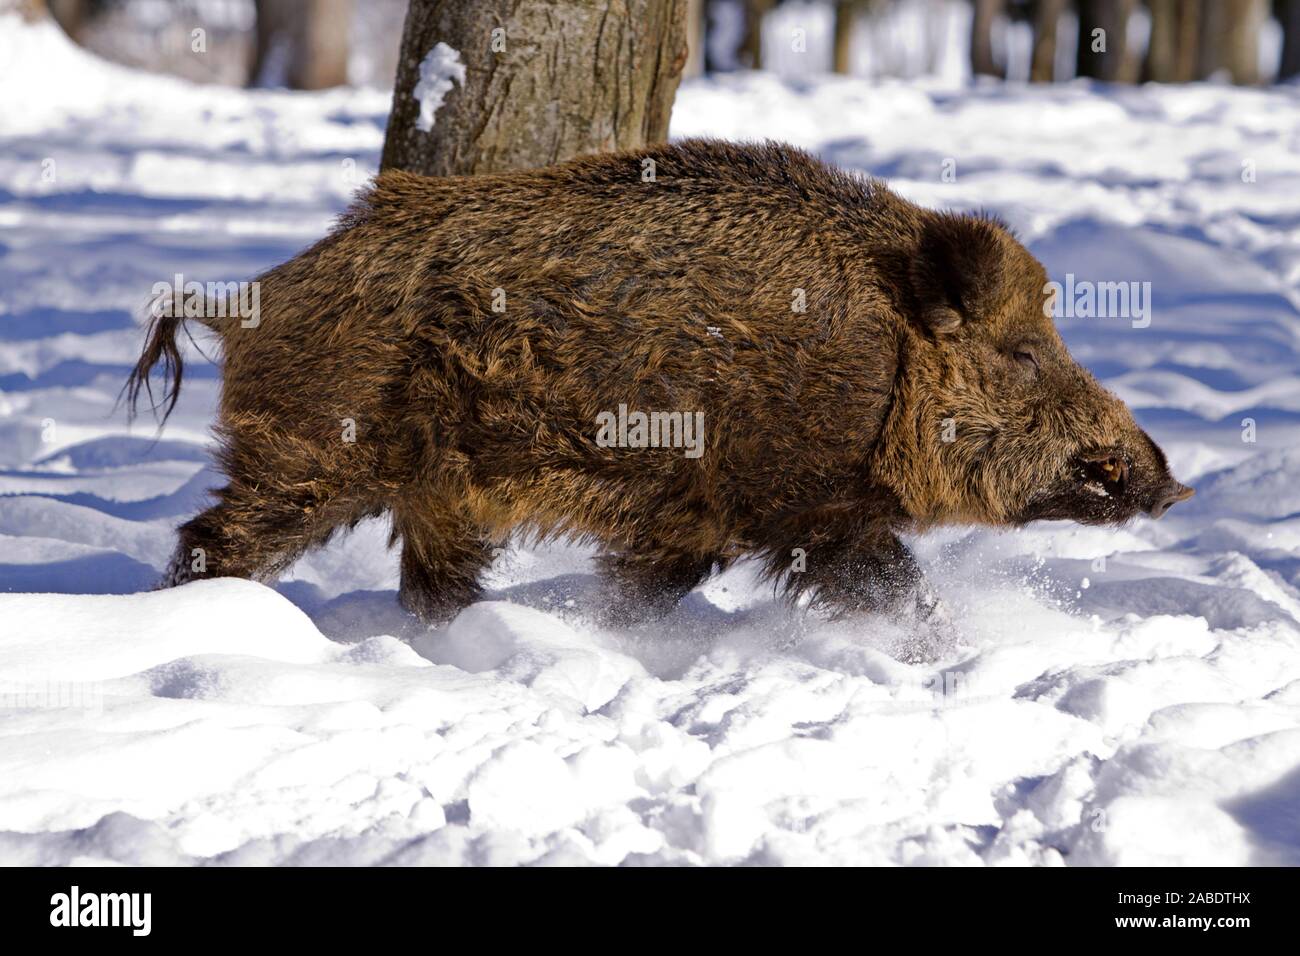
<point x="167" y="316"/>
<point x="159" y="347"/>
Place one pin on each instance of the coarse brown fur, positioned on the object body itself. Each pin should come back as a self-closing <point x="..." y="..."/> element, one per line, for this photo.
<point x="864" y="367"/>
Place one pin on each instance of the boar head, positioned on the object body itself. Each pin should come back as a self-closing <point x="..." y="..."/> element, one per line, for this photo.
<point x="993" y="421"/>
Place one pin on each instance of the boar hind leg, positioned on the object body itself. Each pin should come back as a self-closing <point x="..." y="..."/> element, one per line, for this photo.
<point x="443" y="556"/>
<point x="648" y="585"/>
<point x="256" y="533"/>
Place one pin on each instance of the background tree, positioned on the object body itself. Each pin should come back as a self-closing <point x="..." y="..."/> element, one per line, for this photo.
<point x="545" y="80"/>
<point x="846" y="17"/>
<point x="302" y="44"/>
<point x="1173" y="48"/>
<point x="697" y="28"/>
<point x="69" y="14"/>
<point x="1240" y="39"/>
<point x="982" y="60"/>
<point x="750" y="53"/>
<point x="1047" y="20"/>
<point x="1117" y="62"/>
<point x="1288" y="13"/>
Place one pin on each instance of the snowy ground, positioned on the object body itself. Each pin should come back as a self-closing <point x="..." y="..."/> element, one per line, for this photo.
<point x="1127" y="696"/>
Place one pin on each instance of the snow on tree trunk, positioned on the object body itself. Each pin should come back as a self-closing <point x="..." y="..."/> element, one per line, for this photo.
<point x="525" y="83"/>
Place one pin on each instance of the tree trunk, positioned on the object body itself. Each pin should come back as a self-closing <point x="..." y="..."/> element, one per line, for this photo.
<point x="69" y="14"/>
<point x="1172" y="50"/>
<point x="750" y="54"/>
<point x="1288" y="12"/>
<point x="982" y="61"/>
<point x="713" y="63"/>
<point x="697" y="29"/>
<point x="1241" y="39"/>
<point x="1209" y="54"/>
<point x="846" y="14"/>
<point x="544" y="81"/>
<point x="302" y="44"/>
<point x="1047" y="18"/>
<point x="1117" y="62"/>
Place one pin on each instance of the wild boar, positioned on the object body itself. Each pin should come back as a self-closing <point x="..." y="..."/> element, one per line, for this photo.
<point x="480" y="356"/>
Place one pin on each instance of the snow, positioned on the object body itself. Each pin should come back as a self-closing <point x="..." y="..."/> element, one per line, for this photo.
<point x="1150" y="716"/>
<point x="439" y="70"/>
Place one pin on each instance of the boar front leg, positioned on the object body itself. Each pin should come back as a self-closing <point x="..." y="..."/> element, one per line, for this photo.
<point x="877" y="573"/>
<point x="443" y="556"/>
<point x="647" y="585"/>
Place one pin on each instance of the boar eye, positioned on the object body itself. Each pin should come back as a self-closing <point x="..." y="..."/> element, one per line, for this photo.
<point x="1026" y="357"/>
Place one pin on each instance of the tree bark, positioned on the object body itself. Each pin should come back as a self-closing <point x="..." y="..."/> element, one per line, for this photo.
<point x="69" y="14"/>
<point x="982" y="61"/>
<point x="302" y="43"/>
<point x="574" y="77"/>
<point x="1047" y="18"/>
<point x="1190" y="22"/>
<point x="1241" y="39"/>
<point x="846" y="14"/>
<point x="1288" y="12"/>
<point x="750" y="54"/>
<point x="1209" y="54"/>
<point x="1118" y="62"/>
<point x="1172" y="50"/>
<point x="697" y="28"/>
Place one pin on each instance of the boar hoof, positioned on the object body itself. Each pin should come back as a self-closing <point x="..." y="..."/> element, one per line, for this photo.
<point x="178" y="572"/>
<point x="931" y="632"/>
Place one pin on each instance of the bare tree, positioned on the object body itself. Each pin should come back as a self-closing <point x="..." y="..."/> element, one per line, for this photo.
<point x="697" y="28"/>
<point x="72" y="15"/>
<point x="1240" y="56"/>
<point x="1104" y="52"/>
<point x="532" y="82"/>
<point x="982" y="61"/>
<point x="1175" y="38"/>
<point x="750" y="53"/>
<point x="1047" y="20"/>
<point x="1209" y="54"/>
<point x="1288" y="12"/>
<point x="846" y="15"/>
<point x="302" y="44"/>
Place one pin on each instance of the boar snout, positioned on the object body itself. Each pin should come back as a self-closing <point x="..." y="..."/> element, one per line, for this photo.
<point x="1134" y="481"/>
<point x="1169" y="495"/>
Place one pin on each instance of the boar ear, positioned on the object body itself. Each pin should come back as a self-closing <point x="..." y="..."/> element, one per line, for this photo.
<point x="957" y="271"/>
